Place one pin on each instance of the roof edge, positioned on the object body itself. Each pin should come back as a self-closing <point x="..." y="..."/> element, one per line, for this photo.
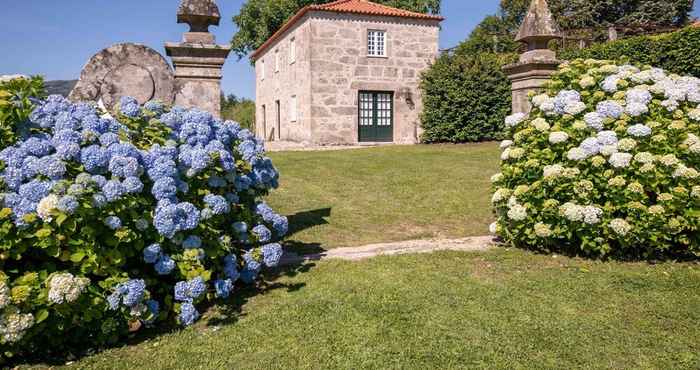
<point x="301" y="13"/>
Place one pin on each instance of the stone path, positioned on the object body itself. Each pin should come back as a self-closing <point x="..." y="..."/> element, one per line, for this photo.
<point x="479" y="243"/>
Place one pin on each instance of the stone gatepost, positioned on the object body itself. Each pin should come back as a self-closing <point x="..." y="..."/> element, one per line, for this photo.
<point x="198" y="60"/>
<point x="538" y="63"/>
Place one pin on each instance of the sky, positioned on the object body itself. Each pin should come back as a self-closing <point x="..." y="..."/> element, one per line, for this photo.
<point x="56" y="38"/>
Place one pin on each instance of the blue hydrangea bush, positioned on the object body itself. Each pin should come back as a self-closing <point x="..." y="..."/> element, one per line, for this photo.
<point x="604" y="164"/>
<point x="109" y="225"/>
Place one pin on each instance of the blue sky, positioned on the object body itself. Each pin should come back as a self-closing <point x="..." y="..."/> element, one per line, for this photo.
<point x="56" y="38"/>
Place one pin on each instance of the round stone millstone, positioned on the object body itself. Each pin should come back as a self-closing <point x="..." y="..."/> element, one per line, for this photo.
<point x="125" y="70"/>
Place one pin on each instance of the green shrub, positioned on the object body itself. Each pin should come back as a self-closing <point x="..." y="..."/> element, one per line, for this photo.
<point x="110" y="226"/>
<point x="16" y="105"/>
<point x="677" y="52"/>
<point x="605" y="164"/>
<point x="465" y="98"/>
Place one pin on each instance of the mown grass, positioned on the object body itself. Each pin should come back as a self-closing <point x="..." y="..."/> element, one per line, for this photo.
<point x="393" y="193"/>
<point x="503" y="309"/>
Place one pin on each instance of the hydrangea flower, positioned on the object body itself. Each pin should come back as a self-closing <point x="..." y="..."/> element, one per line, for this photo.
<point x="517" y="212"/>
<point x="67" y="204"/>
<point x="620" y="160"/>
<point x="113" y="222"/>
<point x="152" y="253"/>
<point x="262" y="233"/>
<point x="558" y="137"/>
<point x="165" y="265"/>
<point x="218" y="204"/>
<point x="251" y="269"/>
<point x="594" y="120"/>
<point x="639" y="130"/>
<point x="188" y="314"/>
<point x="272" y="253"/>
<point x="66" y="288"/>
<point x="223" y="288"/>
<point x="514" y="119"/>
<point x="188" y="291"/>
<point x="230" y="267"/>
<point x="129" y="107"/>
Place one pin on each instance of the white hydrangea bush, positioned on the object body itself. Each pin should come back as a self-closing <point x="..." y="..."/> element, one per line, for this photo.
<point x="606" y="163"/>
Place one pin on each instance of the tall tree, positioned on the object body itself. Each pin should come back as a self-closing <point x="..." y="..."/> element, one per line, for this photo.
<point x="496" y="32"/>
<point x="259" y="19"/>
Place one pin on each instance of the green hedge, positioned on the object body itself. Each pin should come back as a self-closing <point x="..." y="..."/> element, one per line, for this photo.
<point x="676" y="52"/>
<point x="466" y="98"/>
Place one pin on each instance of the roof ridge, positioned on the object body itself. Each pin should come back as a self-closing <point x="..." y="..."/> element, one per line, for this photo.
<point x="391" y="7"/>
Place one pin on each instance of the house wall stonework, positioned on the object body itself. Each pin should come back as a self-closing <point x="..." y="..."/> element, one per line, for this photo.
<point x="292" y="79"/>
<point x="332" y="66"/>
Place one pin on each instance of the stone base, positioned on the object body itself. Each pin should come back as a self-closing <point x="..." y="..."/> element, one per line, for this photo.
<point x="198" y="72"/>
<point x="527" y="77"/>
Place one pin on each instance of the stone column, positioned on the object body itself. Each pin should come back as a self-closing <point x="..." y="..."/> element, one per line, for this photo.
<point x="198" y="60"/>
<point x="538" y="63"/>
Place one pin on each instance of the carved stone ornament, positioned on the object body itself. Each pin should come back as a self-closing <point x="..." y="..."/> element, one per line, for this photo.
<point x="125" y="70"/>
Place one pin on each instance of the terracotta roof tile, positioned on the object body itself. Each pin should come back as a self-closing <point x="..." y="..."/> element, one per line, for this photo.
<point x="370" y="8"/>
<point x="363" y="7"/>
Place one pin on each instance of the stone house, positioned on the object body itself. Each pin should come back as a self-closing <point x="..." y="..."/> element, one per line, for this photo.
<point x="345" y="72"/>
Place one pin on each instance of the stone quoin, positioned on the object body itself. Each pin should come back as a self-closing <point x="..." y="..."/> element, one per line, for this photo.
<point x="343" y="73"/>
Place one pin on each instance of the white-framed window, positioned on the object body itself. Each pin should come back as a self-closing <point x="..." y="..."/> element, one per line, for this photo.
<point x="376" y="43"/>
<point x="293" y="108"/>
<point x="292" y="50"/>
<point x="262" y="69"/>
<point x="277" y="60"/>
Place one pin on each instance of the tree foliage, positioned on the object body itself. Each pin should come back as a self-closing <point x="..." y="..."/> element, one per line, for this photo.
<point x="466" y="98"/>
<point x="260" y="19"/>
<point x="237" y="109"/>
<point x="496" y="32"/>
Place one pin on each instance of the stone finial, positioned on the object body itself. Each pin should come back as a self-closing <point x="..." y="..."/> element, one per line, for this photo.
<point x="538" y="63"/>
<point x="199" y="14"/>
<point x="539" y="26"/>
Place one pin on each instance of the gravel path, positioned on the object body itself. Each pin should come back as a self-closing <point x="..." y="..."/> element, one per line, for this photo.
<point x="479" y="243"/>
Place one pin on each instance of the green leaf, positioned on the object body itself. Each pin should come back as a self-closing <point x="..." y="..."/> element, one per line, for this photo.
<point x="43" y="232"/>
<point x="77" y="256"/>
<point x="41" y="316"/>
<point x="4" y="213"/>
<point x="61" y="218"/>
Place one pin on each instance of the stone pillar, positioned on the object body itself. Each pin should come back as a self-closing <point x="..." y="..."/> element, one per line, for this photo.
<point x="198" y="60"/>
<point x="538" y="63"/>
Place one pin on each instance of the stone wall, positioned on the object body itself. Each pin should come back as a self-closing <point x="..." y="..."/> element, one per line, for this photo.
<point x="332" y="66"/>
<point x="292" y="79"/>
<point x="340" y="68"/>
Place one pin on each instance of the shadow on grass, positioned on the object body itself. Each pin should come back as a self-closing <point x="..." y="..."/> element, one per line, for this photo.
<point x="307" y="219"/>
<point x="570" y="250"/>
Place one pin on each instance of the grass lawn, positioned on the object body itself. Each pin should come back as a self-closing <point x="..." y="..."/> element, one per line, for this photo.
<point x="356" y="197"/>
<point x="504" y="309"/>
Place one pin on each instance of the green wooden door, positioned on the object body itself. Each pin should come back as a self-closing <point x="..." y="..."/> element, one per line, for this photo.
<point x="376" y="116"/>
